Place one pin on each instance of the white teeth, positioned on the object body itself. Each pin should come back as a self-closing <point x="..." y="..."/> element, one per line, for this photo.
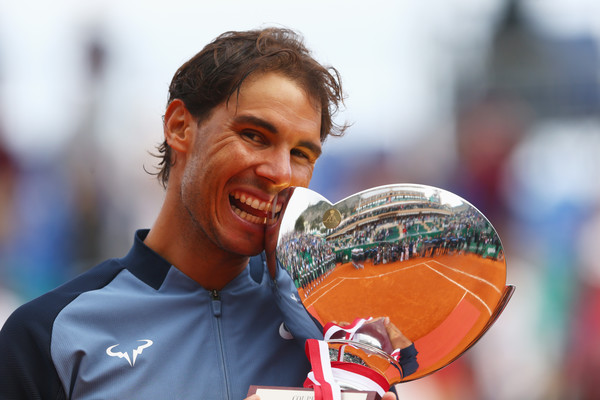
<point x="257" y="205"/>
<point x="254" y="203"/>
<point x="251" y="218"/>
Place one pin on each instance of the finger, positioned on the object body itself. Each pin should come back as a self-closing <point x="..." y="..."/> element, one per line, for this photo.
<point x="389" y="396"/>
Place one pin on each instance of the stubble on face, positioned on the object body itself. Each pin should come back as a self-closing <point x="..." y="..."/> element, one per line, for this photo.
<point x="224" y="162"/>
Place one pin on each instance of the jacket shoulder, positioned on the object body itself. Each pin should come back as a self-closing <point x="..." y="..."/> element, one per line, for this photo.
<point x="26" y="366"/>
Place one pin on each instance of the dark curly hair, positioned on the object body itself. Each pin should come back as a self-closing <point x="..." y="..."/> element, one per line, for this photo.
<point x="213" y="75"/>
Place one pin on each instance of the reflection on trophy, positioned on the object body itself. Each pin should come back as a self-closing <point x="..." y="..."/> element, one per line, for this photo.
<point x="420" y="269"/>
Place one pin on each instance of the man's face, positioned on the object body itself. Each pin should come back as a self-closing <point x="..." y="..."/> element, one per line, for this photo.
<point x="262" y="142"/>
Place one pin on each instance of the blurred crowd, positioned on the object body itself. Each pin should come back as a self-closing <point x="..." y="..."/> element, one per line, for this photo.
<point x="527" y="135"/>
<point x="524" y="129"/>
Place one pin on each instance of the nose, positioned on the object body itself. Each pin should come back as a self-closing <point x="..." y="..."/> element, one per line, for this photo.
<point x="275" y="166"/>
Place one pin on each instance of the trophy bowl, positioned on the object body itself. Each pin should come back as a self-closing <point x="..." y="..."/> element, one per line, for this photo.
<point x="404" y="278"/>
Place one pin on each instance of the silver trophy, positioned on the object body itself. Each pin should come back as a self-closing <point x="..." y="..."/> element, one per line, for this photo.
<point x="404" y="278"/>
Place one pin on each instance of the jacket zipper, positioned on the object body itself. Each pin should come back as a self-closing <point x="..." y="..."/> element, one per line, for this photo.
<point x="216" y="309"/>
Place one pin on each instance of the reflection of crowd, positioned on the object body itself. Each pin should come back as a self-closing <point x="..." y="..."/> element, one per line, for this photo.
<point x="385" y="252"/>
<point x="308" y="259"/>
<point x="467" y="231"/>
<point x="390" y="228"/>
<point x="400" y="237"/>
<point x="392" y="238"/>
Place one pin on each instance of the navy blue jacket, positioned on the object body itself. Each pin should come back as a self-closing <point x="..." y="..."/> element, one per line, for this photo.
<point x="138" y="328"/>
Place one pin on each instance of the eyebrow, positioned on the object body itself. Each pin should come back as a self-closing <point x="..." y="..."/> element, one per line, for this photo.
<point x="259" y="122"/>
<point x="252" y="120"/>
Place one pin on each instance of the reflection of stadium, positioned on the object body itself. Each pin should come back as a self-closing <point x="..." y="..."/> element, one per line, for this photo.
<point x="395" y="226"/>
<point x="421" y="256"/>
<point x="308" y="259"/>
<point x="385" y="227"/>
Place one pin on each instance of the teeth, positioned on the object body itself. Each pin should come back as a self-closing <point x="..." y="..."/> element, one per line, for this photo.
<point x="277" y="207"/>
<point x="255" y="203"/>
<point x="252" y="218"/>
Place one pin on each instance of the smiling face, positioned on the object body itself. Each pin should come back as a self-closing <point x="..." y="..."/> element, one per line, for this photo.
<point x="242" y="155"/>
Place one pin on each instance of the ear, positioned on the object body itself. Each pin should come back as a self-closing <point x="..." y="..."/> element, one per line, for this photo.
<point x="179" y="126"/>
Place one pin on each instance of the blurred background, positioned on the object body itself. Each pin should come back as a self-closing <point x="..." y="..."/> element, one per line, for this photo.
<point x="497" y="101"/>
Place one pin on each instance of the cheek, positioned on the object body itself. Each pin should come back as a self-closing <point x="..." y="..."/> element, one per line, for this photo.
<point x="231" y="153"/>
<point x="191" y="185"/>
<point x="301" y="176"/>
<point x="220" y="158"/>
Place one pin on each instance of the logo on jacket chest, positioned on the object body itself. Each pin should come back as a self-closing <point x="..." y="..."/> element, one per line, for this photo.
<point x="115" y="351"/>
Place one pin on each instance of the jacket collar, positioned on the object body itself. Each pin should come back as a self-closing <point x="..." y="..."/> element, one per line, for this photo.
<point x="145" y="263"/>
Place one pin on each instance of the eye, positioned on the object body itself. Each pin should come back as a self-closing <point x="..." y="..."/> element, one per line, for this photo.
<point x="300" y="153"/>
<point x="253" y="136"/>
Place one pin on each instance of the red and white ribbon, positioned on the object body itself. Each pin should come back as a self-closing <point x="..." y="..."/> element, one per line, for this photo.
<point x="359" y="377"/>
<point x="326" y="377"/>
<point x="321" y="377"/>
<point x="350" y="330"/>
<point x="332" y="329"/>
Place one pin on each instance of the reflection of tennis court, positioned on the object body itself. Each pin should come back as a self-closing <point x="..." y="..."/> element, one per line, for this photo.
<point x="439" y="303"/>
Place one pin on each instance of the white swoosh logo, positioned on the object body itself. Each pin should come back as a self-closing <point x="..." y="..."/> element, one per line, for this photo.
<point x="125" y="355"/>
<point x="284" y="333"/>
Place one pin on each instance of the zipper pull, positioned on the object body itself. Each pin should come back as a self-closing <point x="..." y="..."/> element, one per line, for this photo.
<point x="216" y="303"/>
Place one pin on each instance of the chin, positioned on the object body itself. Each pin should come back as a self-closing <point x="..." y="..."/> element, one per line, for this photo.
<point x="246" y="248"/>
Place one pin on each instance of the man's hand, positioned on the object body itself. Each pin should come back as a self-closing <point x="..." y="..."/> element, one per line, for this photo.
<point x="399" y="341"/>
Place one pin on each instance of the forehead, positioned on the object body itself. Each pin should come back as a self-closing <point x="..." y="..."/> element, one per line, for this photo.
<point x="276" y="96"/>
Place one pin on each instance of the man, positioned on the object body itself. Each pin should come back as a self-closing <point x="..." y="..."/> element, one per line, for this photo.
<point x="183" y="314"/>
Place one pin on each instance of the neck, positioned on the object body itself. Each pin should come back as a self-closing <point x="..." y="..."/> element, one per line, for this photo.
<point x="189" y="250"/>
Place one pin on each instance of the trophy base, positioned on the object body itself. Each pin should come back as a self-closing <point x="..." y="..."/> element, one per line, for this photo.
<point x="290" y="393"/>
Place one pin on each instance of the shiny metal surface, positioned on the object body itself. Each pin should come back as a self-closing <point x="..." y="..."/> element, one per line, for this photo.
<point x="421" y="256"/>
